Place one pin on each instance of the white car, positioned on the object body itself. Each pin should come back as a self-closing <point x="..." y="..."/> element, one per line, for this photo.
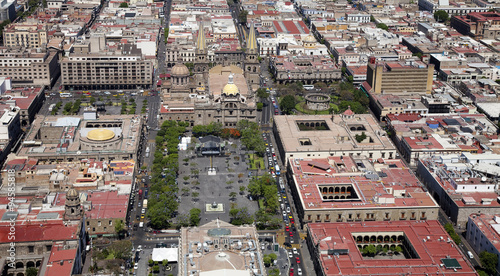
<point x="143" y="211"/>
<point x="139" y="248"/>
<point x="299" y="271"/>
<point x="136" y="266"/>
<point x="290" y="255"/>
<point x="295" y="251"/>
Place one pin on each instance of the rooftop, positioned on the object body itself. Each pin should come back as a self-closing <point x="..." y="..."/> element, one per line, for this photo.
<point x="428" y="239"/>
<point x="337" y="133"/>
<point x="381" y="184"/>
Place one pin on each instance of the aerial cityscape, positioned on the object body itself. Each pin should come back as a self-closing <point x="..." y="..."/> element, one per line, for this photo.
<point x="249" y="138"/>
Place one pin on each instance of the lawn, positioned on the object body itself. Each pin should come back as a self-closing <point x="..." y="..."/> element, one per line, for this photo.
<point x="301" y="108"/>
<point x="256" y="162"/>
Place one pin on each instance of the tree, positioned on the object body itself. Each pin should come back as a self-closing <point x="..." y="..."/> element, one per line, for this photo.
<point x="156" y="268"/>
<point x="398" y="249"/>
<point x="121" y="249"/>
<point x="360" y="138"/>
<point x="195" y="194"/>
<point x="123" y="5"/>
<point x="119" y="227"/>
<point x="267" y="260"/>
<point x="242" y="189"/>
<point x="31" y="271"/>
<point x="260" y="106"/>
<point x="441" y="16"/>
<point x="287" y="104"/>
<point x="232" y="195"/>
<point x="165" y="262"/>
<point x="382" y="26"/>
<point x="194" y="216"/>
<point x="242" y="17"/>
<point x="489" y="261"/>
<point x="262" y="93"/>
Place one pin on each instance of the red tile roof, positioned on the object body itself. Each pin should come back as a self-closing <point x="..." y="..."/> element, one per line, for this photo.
<point x="428" y="239"/>
<point x="60" y="261"/>
<point x="39" y="231"/>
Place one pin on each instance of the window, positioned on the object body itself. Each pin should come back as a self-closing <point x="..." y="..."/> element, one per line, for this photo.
<point x="31" y="249"/>
<point x="110" y="222"/>
<point x="318" y="217"/>
<point x="48" y="247"/>
<point x="99" y="223"/>
<point x="308" y="217"/>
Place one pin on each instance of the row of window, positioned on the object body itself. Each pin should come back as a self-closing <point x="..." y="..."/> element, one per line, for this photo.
<point x="369" y="216"/>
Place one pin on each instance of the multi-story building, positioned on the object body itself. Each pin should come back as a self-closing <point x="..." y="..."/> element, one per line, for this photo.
<point x="7" y="10"/>
<point x="49" y="239"/>
<point x="350" y="188"/>
<point x="426" y="249"/>
<point x="101" y="71"/>
<point x="319" y="136"/>
<point x="478" y="24"/>
<point x="29" y="67"/>
<point x="307" y="69"/>
<point x="107" y="138"/>
<point x="483" y="233"/>
<point x="399" y="77"/>
<point x="462" y="184"/>
<point x="29" y="35"/>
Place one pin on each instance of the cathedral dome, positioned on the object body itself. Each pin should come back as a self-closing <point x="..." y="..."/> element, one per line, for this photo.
<point x="230" y="89"/>
<point x="100" y="134"/>
<point x="310" y="39"/>
<point x="180" y="70"/>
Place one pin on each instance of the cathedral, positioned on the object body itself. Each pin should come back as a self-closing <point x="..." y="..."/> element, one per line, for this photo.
<point x="223" y="94"/>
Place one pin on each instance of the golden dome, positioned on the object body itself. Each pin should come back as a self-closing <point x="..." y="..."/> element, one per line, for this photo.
<point x="100" y="134"/>
<point x="230" y="89"/>
<point x="310" y="39"/>
<point x="179" y="70"/>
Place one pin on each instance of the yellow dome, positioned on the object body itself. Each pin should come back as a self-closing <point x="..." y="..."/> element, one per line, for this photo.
<point x="100" y="134"/>
<point x="230" y="89"/>
<point x="310" y="39"/>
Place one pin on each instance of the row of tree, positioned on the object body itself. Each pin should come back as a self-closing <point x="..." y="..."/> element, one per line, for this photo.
<point x="251" y="136"/>
<point x="163" y="203"/>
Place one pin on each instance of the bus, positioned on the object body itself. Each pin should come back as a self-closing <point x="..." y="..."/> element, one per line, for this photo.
<point x="65" y="95"/>
<point x="277" y="169"/>
<point x="51" y="107"/>
<point x="147" y="152"/>
<point x="308" y="87"/>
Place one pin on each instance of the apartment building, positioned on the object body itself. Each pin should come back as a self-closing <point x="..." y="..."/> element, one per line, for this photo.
<point x="29" y="67"/>
<point x="399" y="77"/>
<point x="103" y="71"/>
<point x="27" y="35"/>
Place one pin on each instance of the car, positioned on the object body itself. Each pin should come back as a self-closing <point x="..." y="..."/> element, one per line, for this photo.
<point x="292" y="221"/>
<point x="107" y="93"/>
<point x="295" y="251"/>
<point x="297" y="259"/>
<point x="133" y="94"/>
<point x="142" y="216"/>
<point x="139" y="205"/>
<point x="290" y="255"/>
<point x="299" y="271"/>
<point x="150" y="177"/>
<point x="274" y="174"/>
<point x="290" y="217"/>
<point x="136" y="266"/>
<point x="287" y="229"/>
<point x="284" y="214"/>
<point x="267" y="150"/>
<point x="288" y="209"/>
<point x="291" y="234"/>
<point x="121" y="94"/>
<point x="291" y="273"/>
<point x="139" y="248"/>
<point x="143" y="211"/>
<point x="279" y="198"/>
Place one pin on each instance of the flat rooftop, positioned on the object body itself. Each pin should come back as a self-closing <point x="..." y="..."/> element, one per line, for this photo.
<point x="335" y="134"/>
<point x="386" y="183"/>
<point x="428" y="239"/>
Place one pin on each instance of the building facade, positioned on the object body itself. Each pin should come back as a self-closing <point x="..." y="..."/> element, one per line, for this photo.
<point x="399" y="77"/>
<point x="25" y="35"/>
<point x="480" y="25"/>
<point x="29" y="67"/>
<point x="96" y="71"/>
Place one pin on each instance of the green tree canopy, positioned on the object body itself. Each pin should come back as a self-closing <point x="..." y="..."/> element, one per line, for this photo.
<point x="194" y="216"/>
<point x="123" y="5"/>
<point x="287" y="104"/>
<point x="489" y="261"/>
<point x="382" y="26"/>
<point x="242" y="17"/>
<point x="441" y="16"/>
